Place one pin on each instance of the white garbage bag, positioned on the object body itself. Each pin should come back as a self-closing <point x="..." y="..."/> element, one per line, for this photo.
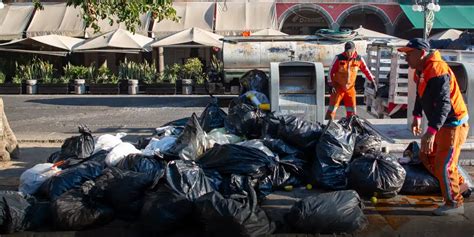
<point x="108" y="142"/>
<point x="119" y="152"/>
<point x="258" y="145"/>
<point x="220" y="136"/>
<point x="159" y="145"/>
<point x="33" y="178"/>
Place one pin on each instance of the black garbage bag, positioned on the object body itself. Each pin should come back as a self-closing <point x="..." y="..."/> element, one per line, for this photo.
<point x="143" y="164"/>
<point x="333" y="153"/>
<point x="367" y="143"/>
<point x="244" y="120"/>
<point x="80" y="146"/>
<point x="235" y="215"/>
<point x="77" y="210"/>
<point x="187" y="179"/>
<point x="212" y="117"/>
<point x="254" y="80"/>
<point x="193" y="142"/>
<point x="376" y="173"/>
<point x="54" y="157"/>
<point x="258" y="144"/>
<point x="367" y="140"/>
<point x="70" y="178"/>
<point x="123" y="190"/>
<point x="73" y="161"/>
<point x="413" y="153"/>
<point x="166" y="210"/>
<point x="290" y="171"/>
<point x="214" y="178"/>
<point x="333" y="212"/>
<point x="298" y="132"/>
<point x="14" y="210"/>
<point x="419" y="181"/>
<point x="234" y="186"/>
<point x="292" y="163"/>
<point x="280" y="148"/>
<point x="270" y="125"/>
<point x="236" y="159"/>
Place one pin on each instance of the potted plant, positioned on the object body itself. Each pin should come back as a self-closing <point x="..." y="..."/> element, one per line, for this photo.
<point x="193" y="76"/>
<point x="103" y="81"/>
<point x="76" y="75"/>
<point x="50" y="85"/>
<point x="130" y="73"/>
<point x="215" y="76"/>
<point x="13" y="87"/>
<point x="31" y="73"/>
<point x="164" y="83"/>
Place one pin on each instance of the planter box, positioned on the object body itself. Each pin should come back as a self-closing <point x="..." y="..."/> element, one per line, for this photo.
<point x="104" y="89"/>
<point x="179" y="87"/>
<point x="216" y="88"/>
<point x="53" y="89"/>
<point x="123" y="85"/>
<point x="159" y="89"/>
<point x="200" y="90"/>
<point x="9" y="88"/>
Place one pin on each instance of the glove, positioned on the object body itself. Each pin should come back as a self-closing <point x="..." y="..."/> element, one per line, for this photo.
<point x="374" y="85"/>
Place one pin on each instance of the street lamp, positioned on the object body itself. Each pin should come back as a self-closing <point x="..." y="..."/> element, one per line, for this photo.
<point x="428" y="7"/>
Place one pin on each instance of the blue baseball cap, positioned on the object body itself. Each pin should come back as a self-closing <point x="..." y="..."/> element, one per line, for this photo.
<point x="416" y="43"/>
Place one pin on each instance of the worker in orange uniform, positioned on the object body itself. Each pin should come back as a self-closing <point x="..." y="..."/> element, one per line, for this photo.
<point x="439" y="97"/>
<point x="342" y="77"/>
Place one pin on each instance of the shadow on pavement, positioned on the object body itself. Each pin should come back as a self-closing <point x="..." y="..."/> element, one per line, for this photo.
<point x="127" y="101"/>
<point x="11" y="171"/>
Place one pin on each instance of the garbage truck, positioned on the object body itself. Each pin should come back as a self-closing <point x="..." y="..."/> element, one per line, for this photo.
<point x="241" y="54"/>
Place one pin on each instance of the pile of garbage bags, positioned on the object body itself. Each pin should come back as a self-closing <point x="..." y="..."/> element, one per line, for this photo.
<point x="212" y="172"/>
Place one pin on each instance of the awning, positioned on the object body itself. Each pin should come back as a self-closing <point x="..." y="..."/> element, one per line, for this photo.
<point x="192" y="14"/>
<point x="116" y="41"/>
<point x="449" y="17"/>
<point x="58" y="45"/>
<point x="235" y="17"/>
<point x="193" y="37"/>
<point x="269" y="32"/>
<point x="13" y="20"/>
<point x="106" y="27"/>
<point x="447" y="34"/>
<point x="56" y="18"/>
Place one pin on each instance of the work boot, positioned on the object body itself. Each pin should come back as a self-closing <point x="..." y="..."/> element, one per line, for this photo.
<point x="465" y="190"/>
<point x="449" y="210"/>
<point x="467" y="193"/>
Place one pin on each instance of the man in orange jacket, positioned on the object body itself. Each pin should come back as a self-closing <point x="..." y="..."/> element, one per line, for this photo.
<point x="439" y="97"/>
<point x="342" y="77"/>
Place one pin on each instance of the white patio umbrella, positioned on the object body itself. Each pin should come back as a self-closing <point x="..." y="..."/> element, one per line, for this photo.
<point x="58" y="45"/>
<point x="192" y="37"/>
<point x="366" y="33"/>
<point x="119" y="41"/>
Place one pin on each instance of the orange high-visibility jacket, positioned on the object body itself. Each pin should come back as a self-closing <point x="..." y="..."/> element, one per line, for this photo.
<point x="438" y="95"/>
<point x="344" y="69"/>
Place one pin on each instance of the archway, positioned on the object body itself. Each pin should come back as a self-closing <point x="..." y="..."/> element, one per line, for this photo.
<point x="404" y="28"/>
<point x="367" y="16"/>
<point x="304" y="19"/>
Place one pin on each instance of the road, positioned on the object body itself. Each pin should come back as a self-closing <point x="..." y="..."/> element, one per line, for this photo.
<point x="54" y="117"/>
